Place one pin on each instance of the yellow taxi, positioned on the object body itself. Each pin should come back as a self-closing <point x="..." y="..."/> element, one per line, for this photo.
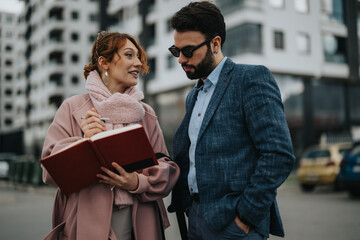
<point x="321" y="165"/>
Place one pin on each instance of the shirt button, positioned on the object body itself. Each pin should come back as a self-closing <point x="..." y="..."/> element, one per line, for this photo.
<point x="199" y="114"/>
<point x="205" y="91"/>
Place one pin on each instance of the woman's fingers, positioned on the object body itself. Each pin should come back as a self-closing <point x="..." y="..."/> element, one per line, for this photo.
<point x="124" y="180"/>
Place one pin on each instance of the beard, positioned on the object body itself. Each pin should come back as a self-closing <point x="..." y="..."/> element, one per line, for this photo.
<point x="204" y="68"/>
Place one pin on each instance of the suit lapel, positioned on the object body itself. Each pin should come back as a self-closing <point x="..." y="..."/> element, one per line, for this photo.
<point x="223" y="82"/>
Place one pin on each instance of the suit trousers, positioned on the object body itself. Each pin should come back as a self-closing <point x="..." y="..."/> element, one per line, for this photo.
<point x="200" y="230"/>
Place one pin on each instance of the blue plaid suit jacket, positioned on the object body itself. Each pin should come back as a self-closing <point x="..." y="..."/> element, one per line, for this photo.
<point x="244" y="151"/>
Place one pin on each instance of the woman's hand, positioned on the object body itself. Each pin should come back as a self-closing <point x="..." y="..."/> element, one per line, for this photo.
<point x="123" y="180"/>
<point x="92" y="124"/>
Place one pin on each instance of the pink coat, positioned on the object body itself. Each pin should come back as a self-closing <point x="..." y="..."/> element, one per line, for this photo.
<point x="86" y="215"/>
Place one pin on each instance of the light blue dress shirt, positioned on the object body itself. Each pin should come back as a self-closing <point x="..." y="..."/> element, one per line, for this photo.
<point x="197" y="116"/>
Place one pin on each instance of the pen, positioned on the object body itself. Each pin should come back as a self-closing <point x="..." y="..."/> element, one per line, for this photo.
<point x="102" y="118"/>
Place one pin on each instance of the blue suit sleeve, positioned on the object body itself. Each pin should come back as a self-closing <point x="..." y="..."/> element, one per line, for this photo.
<point x="266" y="122"/>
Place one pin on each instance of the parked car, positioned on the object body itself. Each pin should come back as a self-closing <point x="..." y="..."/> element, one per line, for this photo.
<point x="350" y="171"/>
<point x="320" y="165"/>
<point x="5" y="159"/>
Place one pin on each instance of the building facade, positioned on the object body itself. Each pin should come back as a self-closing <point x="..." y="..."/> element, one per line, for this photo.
<point x="304" y="44"/>
<point x="8" y="24"/>
<point x="55" y="40"/>
<point x="308" y="45"/>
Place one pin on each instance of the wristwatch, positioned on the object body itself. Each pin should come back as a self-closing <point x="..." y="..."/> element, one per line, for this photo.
<point x="243" y="220"/>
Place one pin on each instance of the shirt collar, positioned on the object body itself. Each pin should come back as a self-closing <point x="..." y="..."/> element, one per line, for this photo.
<point x="213" y="76"/>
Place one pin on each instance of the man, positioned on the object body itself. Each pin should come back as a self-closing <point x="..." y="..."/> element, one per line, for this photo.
<point x="233" y="145"/>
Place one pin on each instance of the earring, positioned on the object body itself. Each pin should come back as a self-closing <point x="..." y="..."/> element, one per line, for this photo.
<point x="106" y="78"/>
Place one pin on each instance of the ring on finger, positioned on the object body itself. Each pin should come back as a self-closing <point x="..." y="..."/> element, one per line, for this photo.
<point x="90" y="125"/>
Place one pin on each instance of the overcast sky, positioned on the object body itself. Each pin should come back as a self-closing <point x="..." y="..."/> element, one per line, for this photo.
<point x="13" y="6"/>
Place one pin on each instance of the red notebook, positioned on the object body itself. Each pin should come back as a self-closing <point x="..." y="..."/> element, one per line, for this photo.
<point x="76" y="166"/>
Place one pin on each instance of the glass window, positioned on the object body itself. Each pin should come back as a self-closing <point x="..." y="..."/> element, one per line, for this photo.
<point x="334" y="9"/>
<point x="152" y="68"/>
<point x="74" y="15"/>
<point x="8" y="63"/>
<point x="279" y="40"/>
<point x="334" y="48"/>
<point x="75" y="80"/>
<point x="75" y="58"/>
<point x="169" y="28"/>
<point x="8" y="48"/>
<point x="229" y="6"/>
<point x="328" y="103"/>
<point x="301" y="6"/>
<point x="277" y="3"/>
<point x="245" y="38"/>
<point x="292" y="89"/>
<point x="354" y="93"/>
<point x="93" y="17"/>
<point x="74" y="36"/>
<point x="171" y="61"/>
<point x="9" y="19"/>
<point x="8" y="77"/>
<point x="303" y="43"/>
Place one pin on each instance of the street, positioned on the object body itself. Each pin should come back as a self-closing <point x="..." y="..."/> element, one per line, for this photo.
<point x="25" y="213"/>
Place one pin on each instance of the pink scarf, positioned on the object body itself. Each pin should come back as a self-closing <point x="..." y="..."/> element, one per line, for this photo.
<point x="122" y="109"/>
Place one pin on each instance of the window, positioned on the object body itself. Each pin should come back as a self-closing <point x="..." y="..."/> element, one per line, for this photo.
<point x="57" y="79"/>
<point x="151" y="35"/>
<point x="8" y="106"/>
<point x="328" y="104"/>
<point x="8" y="122"/>
<point x="75" y="80"/>
<point x="92" y="38"/>
<point x="9" y="19"/>
<point x="301" y="6"/>
<point x="8" y="48"/>
<point x="74" y="36"/>
<point x="171" y="61"/>
<point x="334" y="48"/>
<point x="169" y="28"/>
<point x="354" y="93"/>
<point x="8" y="77"/>
<point x="279" y="40"/>
<point x="245" y="38"/>
<point x="303" y="43"/>
<point x="334" y="9"/>
<point x="74" y="15"/>
<point x="93" y="17"/>
<point x="8" y="92"/>
<point x="8" y="63"/>
<point x="277" y="3"/>
<point x="152" y="68"/>
<point x="75" y="58"/>
<point x="230" y="6"/>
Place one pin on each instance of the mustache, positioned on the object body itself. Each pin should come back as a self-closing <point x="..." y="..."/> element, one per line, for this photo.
<point x="187" y="65"/>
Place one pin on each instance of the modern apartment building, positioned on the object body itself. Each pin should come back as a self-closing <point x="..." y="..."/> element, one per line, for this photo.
<point x="55" y="39"/>
<point x="304" y="43"/>
<point x="7" y="73"/>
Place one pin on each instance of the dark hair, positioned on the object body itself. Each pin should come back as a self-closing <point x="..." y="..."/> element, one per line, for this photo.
<point x="204" y="17"/>
<point x="107" y="44"/>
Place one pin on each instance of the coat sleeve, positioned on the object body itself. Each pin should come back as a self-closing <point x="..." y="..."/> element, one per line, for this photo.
<point x="266" y="122"/>
<point x="59" y="135"/>
<point x="156" y="182"/>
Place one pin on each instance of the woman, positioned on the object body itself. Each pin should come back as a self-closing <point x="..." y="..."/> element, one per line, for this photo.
<point x="122" y="205"/>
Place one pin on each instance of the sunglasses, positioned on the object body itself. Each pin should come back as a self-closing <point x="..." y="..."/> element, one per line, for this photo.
<point x="187" y="51"/>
